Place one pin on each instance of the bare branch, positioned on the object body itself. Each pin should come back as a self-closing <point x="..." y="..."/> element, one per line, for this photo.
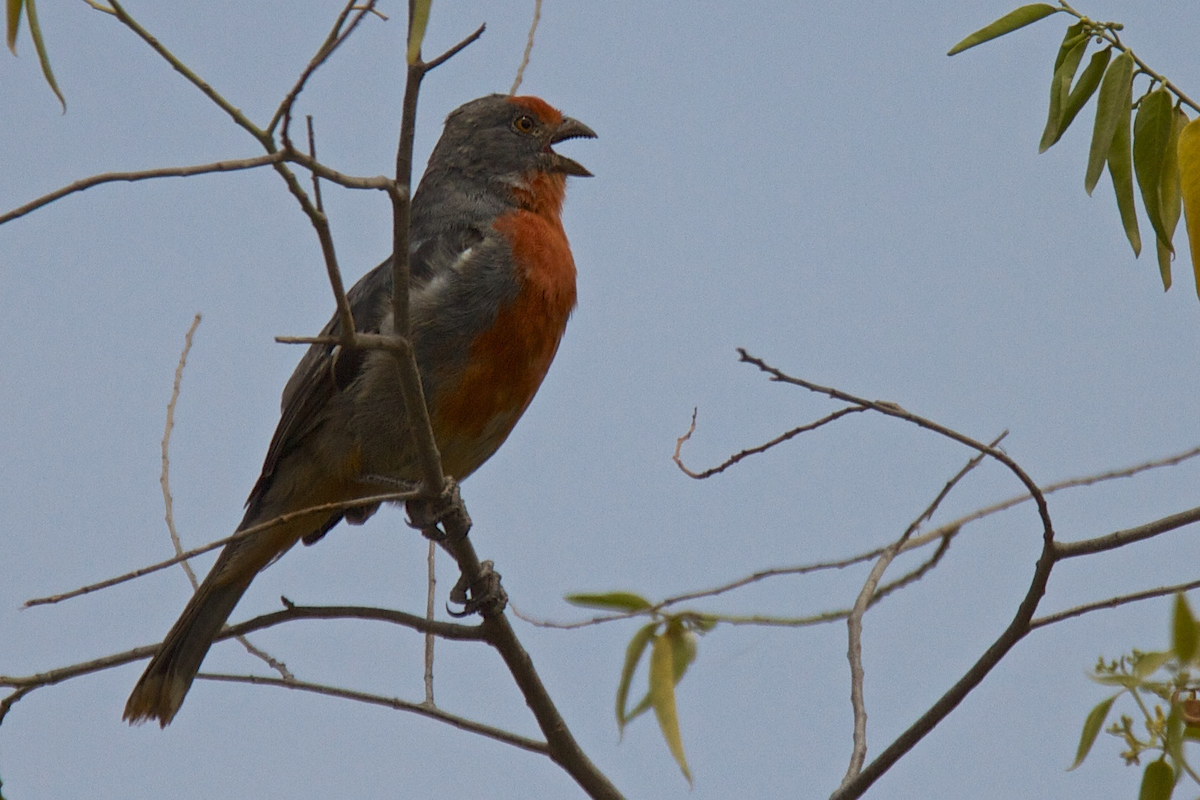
<point x="141" y="175"/>
<point x="537" y="16"/>
<point x="453" y="51"/>
<point x="462" y="723"/>
<point x="332" y="42"/>
<point x="312" y="151"/>
<point x="735" y="458"/>
<point x="894" y="410"/>
<point x="1121" y="538"/>
<point x="1112" y="602"/>
<point x="389" y="497"/>
<point x="430" y="596"/>
<point x="164" y="478"/>
<point x="264" y="137"/>
<point x="866" y="597"/>
<point x="169" y="513"/>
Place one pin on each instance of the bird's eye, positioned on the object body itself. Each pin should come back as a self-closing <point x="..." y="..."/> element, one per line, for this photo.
<point x="524" y="124"/>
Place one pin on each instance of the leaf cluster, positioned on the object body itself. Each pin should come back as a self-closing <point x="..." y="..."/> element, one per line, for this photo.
<point x="1139" y="139"/>
<point x="1170" y="677"/>
<point x="671" y="640"/>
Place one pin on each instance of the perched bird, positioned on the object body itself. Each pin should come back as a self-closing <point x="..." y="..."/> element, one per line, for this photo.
<point x="492" y="286"/>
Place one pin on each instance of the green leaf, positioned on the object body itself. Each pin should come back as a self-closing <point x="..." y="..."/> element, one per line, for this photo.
<point x="610" y="601"/>
<point x="12" y="11"/>
<point x="683" y="644"/>
<point x="1091" y="729"/>
<point x="1151" y="130"/>
<point x="662" y="696"/>
<point x="1085" y="87"/>
<point x="1158" y="781"/>
<point x="1111" y="107"/>
<point x="35" y="30"/>
<point x="1188" y="151"/>
<point x="416" y="29"/>
<point x="1184" y="636"/>
<point x="1148" y="663"/>
<point x="1064" y="70"/>
<point x="1120" y="169"/>
<point x="1170" y="195"/>
<point x="1174" y="743"/>
<point x="633" y="654"/>
<point x="1025" y="15"/>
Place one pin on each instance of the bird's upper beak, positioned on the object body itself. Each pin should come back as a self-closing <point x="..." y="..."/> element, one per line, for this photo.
<point x="568" y="129"/>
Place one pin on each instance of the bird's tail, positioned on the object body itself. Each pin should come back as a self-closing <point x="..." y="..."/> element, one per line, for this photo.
<point x="160" y="691"/>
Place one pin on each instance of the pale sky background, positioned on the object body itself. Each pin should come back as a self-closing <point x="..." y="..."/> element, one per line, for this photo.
<point x="816" y="182"/>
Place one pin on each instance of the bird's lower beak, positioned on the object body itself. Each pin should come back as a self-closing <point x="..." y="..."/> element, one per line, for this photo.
<point x="569" y="129"/>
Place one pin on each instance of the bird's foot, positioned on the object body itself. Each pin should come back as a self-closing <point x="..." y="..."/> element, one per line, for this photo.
<point x="485" y="596"/>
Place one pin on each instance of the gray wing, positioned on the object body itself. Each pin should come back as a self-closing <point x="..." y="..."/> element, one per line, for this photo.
<point x="326" y="370"/>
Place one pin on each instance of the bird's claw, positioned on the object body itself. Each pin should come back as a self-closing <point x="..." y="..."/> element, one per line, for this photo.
<point x="447" y="511"/>
<point x="485" y="596"/>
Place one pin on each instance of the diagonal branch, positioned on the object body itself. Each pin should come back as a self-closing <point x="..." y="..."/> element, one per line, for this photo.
<point x="332" y="42"/>
<point x="282" y="519"/>
<point x="462" y="723"/>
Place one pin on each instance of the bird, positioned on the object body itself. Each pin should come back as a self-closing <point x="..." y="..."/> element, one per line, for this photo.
<point x="492" y="285"/>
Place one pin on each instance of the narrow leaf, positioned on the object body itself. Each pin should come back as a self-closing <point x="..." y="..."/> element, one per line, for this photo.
<point x="1170" y="196"/>
<point x="1151" y="131"/>
<point x="12" y="12"/>
<point x="662" y="695"/>
<point x="35" y="30"/>
<point x="1091" y="729"/>
<point x="1158" y="781"/>
<point x="1025" y="15"/>
<point x="1064" y="70"/>
<point x="1111" y="107"/>
<point x="633" y="654"/>
<point x="1183" y="630"/>
<point x="1188" y="151"/>
<point x="610" y="601"/>
<point x="416" y="29"/>
<point x="1174" y="740"/>
<point x="683" y="646"/>
<point x="1085" y="87"/>
<point x="1120" y="169"/>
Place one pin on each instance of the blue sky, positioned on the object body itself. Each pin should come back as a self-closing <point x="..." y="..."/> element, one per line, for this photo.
<point x="817" y="183"/>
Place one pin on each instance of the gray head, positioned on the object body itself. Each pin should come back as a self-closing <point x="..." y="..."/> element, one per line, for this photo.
<point x="504" y="137"/>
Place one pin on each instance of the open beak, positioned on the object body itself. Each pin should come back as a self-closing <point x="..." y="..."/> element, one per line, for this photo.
<point x="568" y="129"/>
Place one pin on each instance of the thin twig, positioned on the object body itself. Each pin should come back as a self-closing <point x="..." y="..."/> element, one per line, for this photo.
<point x="332" y="42"/>
<point x="141" y="175"/>
<point x="537" y="16"/>
<point x="1108" y="35"/>
<point x="1121" y="538"/>
<point x="264" y="137"/>
<point x="430" y="596"/>
<point x="164" y="478"/>
<point x="462" y="723"/>
<point x="1112" y="602"/>
<point x="390" y="497"/>
<point x="736" y="457"/>
<point x="312" y="151"/>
